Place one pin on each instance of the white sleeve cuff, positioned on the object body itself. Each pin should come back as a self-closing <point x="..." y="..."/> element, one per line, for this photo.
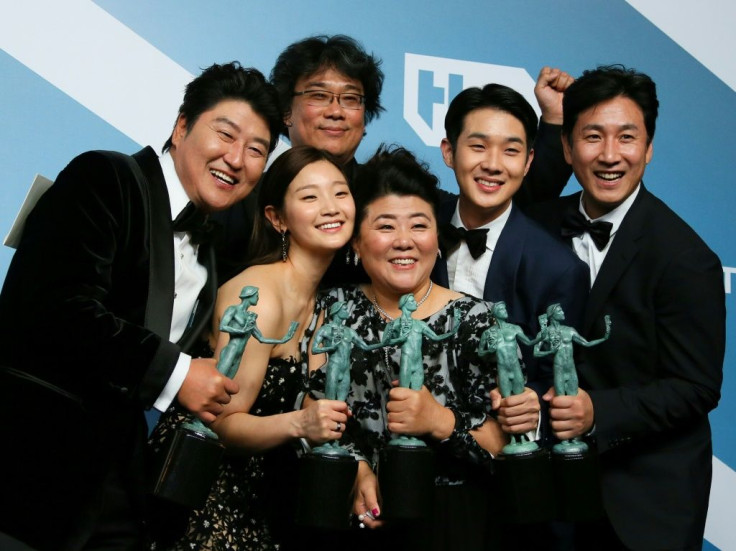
<point x="534" y="435"/>
<point x="181" y="370"/>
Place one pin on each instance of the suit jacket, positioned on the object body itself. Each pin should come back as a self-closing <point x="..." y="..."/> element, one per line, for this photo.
<point x="79" y="363"/>
<point x="529" y="271"/>
<point x="655" y="379"/>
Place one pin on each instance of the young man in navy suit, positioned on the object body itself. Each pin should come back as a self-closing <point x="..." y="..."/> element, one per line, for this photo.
<point x="106" y="293"/>
<point x="646" y="392"/>
<point x="506" y="257"/>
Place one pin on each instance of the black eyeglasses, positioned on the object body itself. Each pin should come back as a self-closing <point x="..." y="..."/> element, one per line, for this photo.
<point x="323" y="98"/>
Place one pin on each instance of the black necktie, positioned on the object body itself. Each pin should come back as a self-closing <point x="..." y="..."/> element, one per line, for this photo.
<point x="195" y="222"/>
<point x="450" y="236"/>
<point x="574" y="224"/>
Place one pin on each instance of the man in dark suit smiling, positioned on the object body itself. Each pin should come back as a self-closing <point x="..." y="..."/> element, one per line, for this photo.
<point x="109" y="287"/>
<point x="647" y="391"/>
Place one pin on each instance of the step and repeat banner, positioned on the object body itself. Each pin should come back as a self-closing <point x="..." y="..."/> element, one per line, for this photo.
<point x="78" y="75"/>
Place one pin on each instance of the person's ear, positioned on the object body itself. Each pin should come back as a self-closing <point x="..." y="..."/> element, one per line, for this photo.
<point x="180" y="131"/>
<point x="447" y="153"/>
<point x="273" y="216"/>
<point x="529" y="159"/>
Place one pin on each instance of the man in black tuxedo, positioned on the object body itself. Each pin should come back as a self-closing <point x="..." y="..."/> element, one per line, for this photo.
<point x="646" y="392"/>
<point x="104" y="296"/>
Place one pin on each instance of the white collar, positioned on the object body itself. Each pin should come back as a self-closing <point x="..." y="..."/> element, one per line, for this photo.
<point x="495" y="226"/>
<point x="617" y="215"/>
<point x="178" y="198"/>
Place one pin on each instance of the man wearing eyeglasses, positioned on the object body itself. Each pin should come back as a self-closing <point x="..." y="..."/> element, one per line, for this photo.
<point x="329" y="88"/>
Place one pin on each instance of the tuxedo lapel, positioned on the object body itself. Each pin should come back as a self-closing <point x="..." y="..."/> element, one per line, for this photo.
<point x="502" y="273"/>
<point x="205" y="305"/>
<point x="160" y="304"/>
<point x="446" y="210"/>
<point x="624" y="249"/>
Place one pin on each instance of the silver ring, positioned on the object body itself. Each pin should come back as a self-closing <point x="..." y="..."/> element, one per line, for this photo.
<point x="339" y="427"/>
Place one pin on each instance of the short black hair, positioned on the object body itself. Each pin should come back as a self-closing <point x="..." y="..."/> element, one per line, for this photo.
<point x="265" y="240"/>
<point x="393" y="170"/>
<point x="494" y="96"/>
<point x="339" y="52"/>
<point x="607" y="82"/>
<point x="230" y="81"/>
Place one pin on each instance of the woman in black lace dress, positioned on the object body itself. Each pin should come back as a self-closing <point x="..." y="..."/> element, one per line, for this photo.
<point x="397" y="243"/>
<point x="307" y="215"/>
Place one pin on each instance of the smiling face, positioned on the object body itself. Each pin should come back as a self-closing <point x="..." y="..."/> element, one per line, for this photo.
<point x="397" y="244"/>
<point x="490" y="161"/>
<point x="318" y="210"/>
<point x="332" y="128"/>
<point x="608" y="150"/>
<point x="220" y="159"/>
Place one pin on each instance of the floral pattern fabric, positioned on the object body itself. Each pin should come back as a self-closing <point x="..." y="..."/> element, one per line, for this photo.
<point x="453" y="373"/>
<point x="234" y="516"/>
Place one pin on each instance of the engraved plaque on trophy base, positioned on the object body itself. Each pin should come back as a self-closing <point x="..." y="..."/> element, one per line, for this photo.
<point x="525" y="486"/>
<point x="324" y="493"/>
<point x="577" y="485"/>
<point x="186" y="471"/>
<point x="406" y="479"/>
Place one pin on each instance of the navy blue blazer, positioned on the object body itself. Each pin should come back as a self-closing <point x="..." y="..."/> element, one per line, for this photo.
<point x="529" y="271"/>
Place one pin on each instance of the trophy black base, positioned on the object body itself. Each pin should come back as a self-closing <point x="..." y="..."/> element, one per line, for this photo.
<point x="324" y="494"/>
<point x="577" y="485"/>
<point x="185" y="473"/>
<point x="525" y="486"/>
<point x="406" y="480"/>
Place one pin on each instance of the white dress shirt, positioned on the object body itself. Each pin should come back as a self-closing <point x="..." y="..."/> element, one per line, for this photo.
<point x="465" y="273"/>
<point x="189" y="280"/>
<point x="584" y="246"/>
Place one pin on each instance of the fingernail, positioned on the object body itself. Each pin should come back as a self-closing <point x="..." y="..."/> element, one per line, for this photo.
<point x="375" y="511"/>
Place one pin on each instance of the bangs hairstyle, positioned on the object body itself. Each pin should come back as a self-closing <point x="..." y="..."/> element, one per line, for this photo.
<point x="491" y="96"/>
<point x="317" y="53"/>
<point x="265" y="240"/>
<point x="231" y="82"/>
<point x="606" y="83"/>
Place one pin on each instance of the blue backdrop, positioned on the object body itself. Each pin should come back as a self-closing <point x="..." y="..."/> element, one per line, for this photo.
<point x="80" y="75"/>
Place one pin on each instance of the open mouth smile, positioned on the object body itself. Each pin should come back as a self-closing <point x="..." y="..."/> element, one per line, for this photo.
<point x="224" y="178"/>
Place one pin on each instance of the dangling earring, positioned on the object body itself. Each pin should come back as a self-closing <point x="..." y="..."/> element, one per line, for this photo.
<point x="439" y="253"/>
<point x="356" y="260"/>
<point x="283" y="246"/>
<point x="347" y="256"/>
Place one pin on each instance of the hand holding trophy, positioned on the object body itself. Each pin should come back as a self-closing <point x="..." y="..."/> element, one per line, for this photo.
<point x="189" y="467"/>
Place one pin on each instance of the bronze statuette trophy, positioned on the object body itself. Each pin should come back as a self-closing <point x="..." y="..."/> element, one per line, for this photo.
<point x="575" y="466"/>
<point x="523" y="468"/>
<point x="406" y="465"/>
<point x="188" y="468"/>
<point x="327" y="472"/>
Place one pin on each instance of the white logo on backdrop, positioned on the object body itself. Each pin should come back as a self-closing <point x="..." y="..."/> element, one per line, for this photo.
<point x="430" y="83"/>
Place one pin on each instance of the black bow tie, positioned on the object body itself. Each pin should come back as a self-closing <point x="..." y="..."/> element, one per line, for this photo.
<point x="450" y="236"/>
<point x="195" y="222"/>
<point x="574" y="224"/>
